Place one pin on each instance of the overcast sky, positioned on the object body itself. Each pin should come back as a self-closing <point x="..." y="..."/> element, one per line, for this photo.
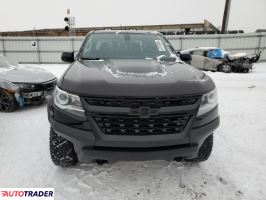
<point x="16" y="15"/>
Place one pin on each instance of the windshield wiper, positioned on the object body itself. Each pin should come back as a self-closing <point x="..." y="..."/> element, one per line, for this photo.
<point x="91" y="58"/>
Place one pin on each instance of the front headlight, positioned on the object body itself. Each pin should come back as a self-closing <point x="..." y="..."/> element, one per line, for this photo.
<point x="208" y="102"/>
<point x="25" y="86"/>
<point x="68" y="102"/>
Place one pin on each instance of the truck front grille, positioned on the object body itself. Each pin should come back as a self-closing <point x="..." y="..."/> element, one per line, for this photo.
<point x="153" y="102"/>
<point x="153" y="125"/>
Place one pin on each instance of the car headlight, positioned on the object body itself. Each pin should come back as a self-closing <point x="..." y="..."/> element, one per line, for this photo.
<point x="25" y="86"/>
<point x="208" y="102"/>
<point x="68" y="102"/>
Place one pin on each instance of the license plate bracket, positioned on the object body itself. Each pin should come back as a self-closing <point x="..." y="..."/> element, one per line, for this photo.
<point x="33" y="94"/>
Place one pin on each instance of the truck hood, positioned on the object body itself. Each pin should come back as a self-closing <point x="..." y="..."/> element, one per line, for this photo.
<point x="25" y="74"/>
<point x="136" y="77"/>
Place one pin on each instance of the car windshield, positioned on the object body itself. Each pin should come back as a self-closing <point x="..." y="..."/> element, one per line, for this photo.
<point x="119" y="45"/>
<point x="7" y="63"/>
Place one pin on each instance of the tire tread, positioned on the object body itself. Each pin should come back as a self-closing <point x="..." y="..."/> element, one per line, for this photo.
<point x="62" y="151"/>
<point x="204" y="151"/>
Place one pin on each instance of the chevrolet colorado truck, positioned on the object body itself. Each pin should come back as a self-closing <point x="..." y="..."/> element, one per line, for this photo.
<point x="127" y="96"/>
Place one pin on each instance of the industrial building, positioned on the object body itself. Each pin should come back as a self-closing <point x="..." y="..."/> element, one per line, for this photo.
<point x="167" y="29"/>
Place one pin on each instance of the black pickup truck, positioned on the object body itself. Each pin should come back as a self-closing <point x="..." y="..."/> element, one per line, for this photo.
<point x="127" y="96"/>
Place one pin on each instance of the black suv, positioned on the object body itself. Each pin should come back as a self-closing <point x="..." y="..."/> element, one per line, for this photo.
<point x="128" y="96"/>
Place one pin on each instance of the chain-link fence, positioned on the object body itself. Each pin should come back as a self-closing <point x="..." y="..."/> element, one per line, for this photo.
<point x="49" y="49"/>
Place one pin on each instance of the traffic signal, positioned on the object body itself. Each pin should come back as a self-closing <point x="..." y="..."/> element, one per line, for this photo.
<point x="67" y="20"/>
<point x="66" y="28"/>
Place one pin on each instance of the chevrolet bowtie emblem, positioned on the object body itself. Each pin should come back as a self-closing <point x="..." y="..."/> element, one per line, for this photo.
<point x="144" y="112"/>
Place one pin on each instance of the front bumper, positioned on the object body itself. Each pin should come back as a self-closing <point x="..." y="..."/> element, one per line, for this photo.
<point x="239" y="66"/>
<point x="37" y="93"/>
<point x="90" y="144"/>
<point x="84" y="140"/>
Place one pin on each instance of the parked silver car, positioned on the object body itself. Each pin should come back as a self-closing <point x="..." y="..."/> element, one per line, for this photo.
<point x="21" y="85"/>
<point x="216" y="59"/>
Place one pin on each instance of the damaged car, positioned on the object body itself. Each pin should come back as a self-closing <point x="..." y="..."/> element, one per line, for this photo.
<point x="23" y="85"/>
<point x="217" y="59"/>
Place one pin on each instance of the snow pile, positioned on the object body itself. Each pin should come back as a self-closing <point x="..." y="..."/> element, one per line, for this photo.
<point x="235" y="170"/>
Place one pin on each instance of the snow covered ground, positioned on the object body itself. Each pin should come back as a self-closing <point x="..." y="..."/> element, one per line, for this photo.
<point x="235" y="170"/>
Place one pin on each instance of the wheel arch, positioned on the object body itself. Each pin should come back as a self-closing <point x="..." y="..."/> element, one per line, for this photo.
<point x="9" y="87"/>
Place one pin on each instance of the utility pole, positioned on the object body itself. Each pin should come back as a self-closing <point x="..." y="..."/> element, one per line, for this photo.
<point x="226" y="16"/>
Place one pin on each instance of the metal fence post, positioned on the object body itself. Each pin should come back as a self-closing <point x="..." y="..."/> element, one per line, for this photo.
<point x="181" y="44"/>
<point x="38" y="50"/>
<point x="72" y="44"/>
<point x="3" y="47"/>
<point x="259" y="43"/>
<point x="219" y="41"/>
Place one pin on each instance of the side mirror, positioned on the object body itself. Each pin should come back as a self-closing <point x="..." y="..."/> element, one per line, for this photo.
<point x="186" y="57"/>
<point x="68" y="57"/>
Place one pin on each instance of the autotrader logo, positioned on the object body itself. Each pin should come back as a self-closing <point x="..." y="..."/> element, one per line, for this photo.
<point x="27" y="193"/>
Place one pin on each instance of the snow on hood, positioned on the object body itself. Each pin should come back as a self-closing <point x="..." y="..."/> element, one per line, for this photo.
<point x="225" y="52"/>
<point x="6" y="68"/>
<point x="237" y="55"/>
<point x="152" y="71"/>
<point x="25" y="74"/>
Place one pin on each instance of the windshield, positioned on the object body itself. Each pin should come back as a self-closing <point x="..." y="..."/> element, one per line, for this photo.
<point x="126" y="46"/>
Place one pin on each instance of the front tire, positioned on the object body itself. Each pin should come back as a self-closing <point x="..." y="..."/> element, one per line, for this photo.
<point x="226" y="68"/>
<point x="62" y="151"/>
<point x="7" y="101"/>
<point x="204" y="151"/>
